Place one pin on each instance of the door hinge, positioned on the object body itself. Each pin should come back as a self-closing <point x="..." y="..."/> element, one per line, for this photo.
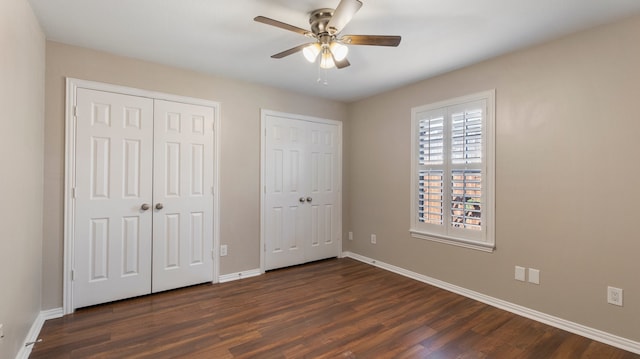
<point x="212" y="254"/>
<point x="73" y="275"/>
<point x="75" y="111"/>
<point x="213" y="192"/>
<point x="73" y="193"/>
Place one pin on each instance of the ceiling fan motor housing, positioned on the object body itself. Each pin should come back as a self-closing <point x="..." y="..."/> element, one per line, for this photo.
<point x="319" y="20"/>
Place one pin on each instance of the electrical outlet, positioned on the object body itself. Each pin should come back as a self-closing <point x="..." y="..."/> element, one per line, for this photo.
<point x="1" y="331"/>
<point x="350" y="236"/>
<point x="614" y="296"/>
<point x="520" y="274"/>
<point x="223" y="250"/>
<point x="374" y="240"/>
<point x="534" y="276"/>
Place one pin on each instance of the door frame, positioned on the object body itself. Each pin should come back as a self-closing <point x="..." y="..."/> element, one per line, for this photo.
<point x="72" y="85"/>
<point x="263" y="182"/>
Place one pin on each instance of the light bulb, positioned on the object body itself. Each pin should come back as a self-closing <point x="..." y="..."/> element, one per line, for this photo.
<point x="326" y="61"/>
<point x="311" y="52"/>
<point x="339" y="50"/>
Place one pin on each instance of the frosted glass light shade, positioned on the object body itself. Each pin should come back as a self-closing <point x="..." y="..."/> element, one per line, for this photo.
<point x="326" y="61"/>
<point x="311" y="52"/>
<point x="339" y="51"/>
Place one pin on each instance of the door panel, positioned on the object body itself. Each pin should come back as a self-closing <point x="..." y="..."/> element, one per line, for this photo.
<point x="112" y="233"/>
<point x="325" y="228"/>
<point x="285" y="217"/>
<point x="301" y="196"/>
<point x="183" y="175"/>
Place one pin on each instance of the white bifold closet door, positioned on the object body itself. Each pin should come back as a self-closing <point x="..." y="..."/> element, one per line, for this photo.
<point x="302" y="204"/>
<point x="183" y="186"/>
<point x="143" y="196"/>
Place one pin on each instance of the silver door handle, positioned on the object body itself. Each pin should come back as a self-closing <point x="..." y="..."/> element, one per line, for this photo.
<point x="145" y="207"/>
<point x="301" y="199"/>
<point x="159" y="206"/>
<point x="309" y="199"/>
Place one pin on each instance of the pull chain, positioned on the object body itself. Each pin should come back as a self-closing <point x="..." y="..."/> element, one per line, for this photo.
<point x="323" y="75"/>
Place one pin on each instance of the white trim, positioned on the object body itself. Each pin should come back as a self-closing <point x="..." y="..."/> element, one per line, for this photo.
<point x="240" y="275"/>
<point x="35" y="329"/>
<point x="263" y="144"/>
<point x="217" y="126"/>
<point x="72" y="86"/>
<point x="572" y="327"/>
<point x="460" y="242"/>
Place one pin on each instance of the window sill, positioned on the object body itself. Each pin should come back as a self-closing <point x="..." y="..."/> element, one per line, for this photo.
<point x="465" y="243"/>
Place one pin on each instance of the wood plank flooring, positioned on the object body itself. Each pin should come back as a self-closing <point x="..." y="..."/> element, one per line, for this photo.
<point x="338" y="308"/>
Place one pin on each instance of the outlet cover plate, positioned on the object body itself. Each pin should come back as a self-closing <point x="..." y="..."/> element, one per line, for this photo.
<point x="374" y="239"/>
<point x="350" y="236"/>
<point x="223" y="250"/>
<point x="520" y="273"/>
<point x="534" y="276"/>
<point x="614" y="296"/>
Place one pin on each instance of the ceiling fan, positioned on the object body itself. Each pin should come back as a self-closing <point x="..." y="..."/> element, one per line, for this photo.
<point x="328" y="44"/>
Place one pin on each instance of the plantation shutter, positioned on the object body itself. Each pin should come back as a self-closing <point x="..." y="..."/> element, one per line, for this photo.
<point x="452" y="171"/>
<point x="431" y="175"/>
<point x="449" y="169"/>
<point x="466" y="166"/>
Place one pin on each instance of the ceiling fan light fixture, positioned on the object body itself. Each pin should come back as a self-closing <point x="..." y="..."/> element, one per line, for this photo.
<point x="311" y="52"/>
<point x="326" y="60"/>
<point x="339" y="50"/>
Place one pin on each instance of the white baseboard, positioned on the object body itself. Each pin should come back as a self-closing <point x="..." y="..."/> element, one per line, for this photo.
<point x="239" y="275"/>
<point x="34" y="331"/>
<point x="579" y="329"/>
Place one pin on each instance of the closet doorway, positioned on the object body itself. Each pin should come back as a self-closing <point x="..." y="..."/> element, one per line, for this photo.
<point x="141" y="201"/>
<point x="301" y="216"/>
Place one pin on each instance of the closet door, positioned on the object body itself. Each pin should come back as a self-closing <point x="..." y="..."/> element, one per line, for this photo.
<point x="143" y="193"/>
<point x="183" y="195"/>
<point x="112" y="234"/>
<point x="286" y="212"/>
<point x="323" y="187"/>
<point x="301" y="201"/>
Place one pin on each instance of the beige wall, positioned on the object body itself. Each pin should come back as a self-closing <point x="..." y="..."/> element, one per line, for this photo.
<point x="240" y="145"/>
<point x="567" y="197"/>
<point x="22" y="57"/>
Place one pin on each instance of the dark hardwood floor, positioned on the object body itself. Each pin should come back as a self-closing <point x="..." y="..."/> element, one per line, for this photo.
<point x="337" y="308"/>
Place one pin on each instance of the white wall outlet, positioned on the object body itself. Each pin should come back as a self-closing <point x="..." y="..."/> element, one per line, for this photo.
<point x="223" y="250"/>
<point x="534" y="276"/>
<point x="614" y="296"/>
<point x="350" y="236"/>
<point x="374" y="240"/>
<point x="520" y="274"/>
<point x="1" y="331"/>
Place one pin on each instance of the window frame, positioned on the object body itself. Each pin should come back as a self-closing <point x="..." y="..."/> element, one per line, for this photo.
<point x="484" y="239"/>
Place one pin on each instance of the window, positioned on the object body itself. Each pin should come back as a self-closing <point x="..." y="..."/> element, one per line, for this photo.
<point x="452" y="172"/>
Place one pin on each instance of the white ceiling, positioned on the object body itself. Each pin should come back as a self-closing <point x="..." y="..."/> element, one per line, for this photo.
<point x="219" y="37"/>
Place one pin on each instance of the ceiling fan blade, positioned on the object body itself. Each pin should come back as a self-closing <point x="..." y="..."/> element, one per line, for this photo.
<point x="341" y="64"/>
<point x="374" y="40"/>
<point x="282" y="25"/>
<point x="291" y="51"/>
<point x="342" y="15"/>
